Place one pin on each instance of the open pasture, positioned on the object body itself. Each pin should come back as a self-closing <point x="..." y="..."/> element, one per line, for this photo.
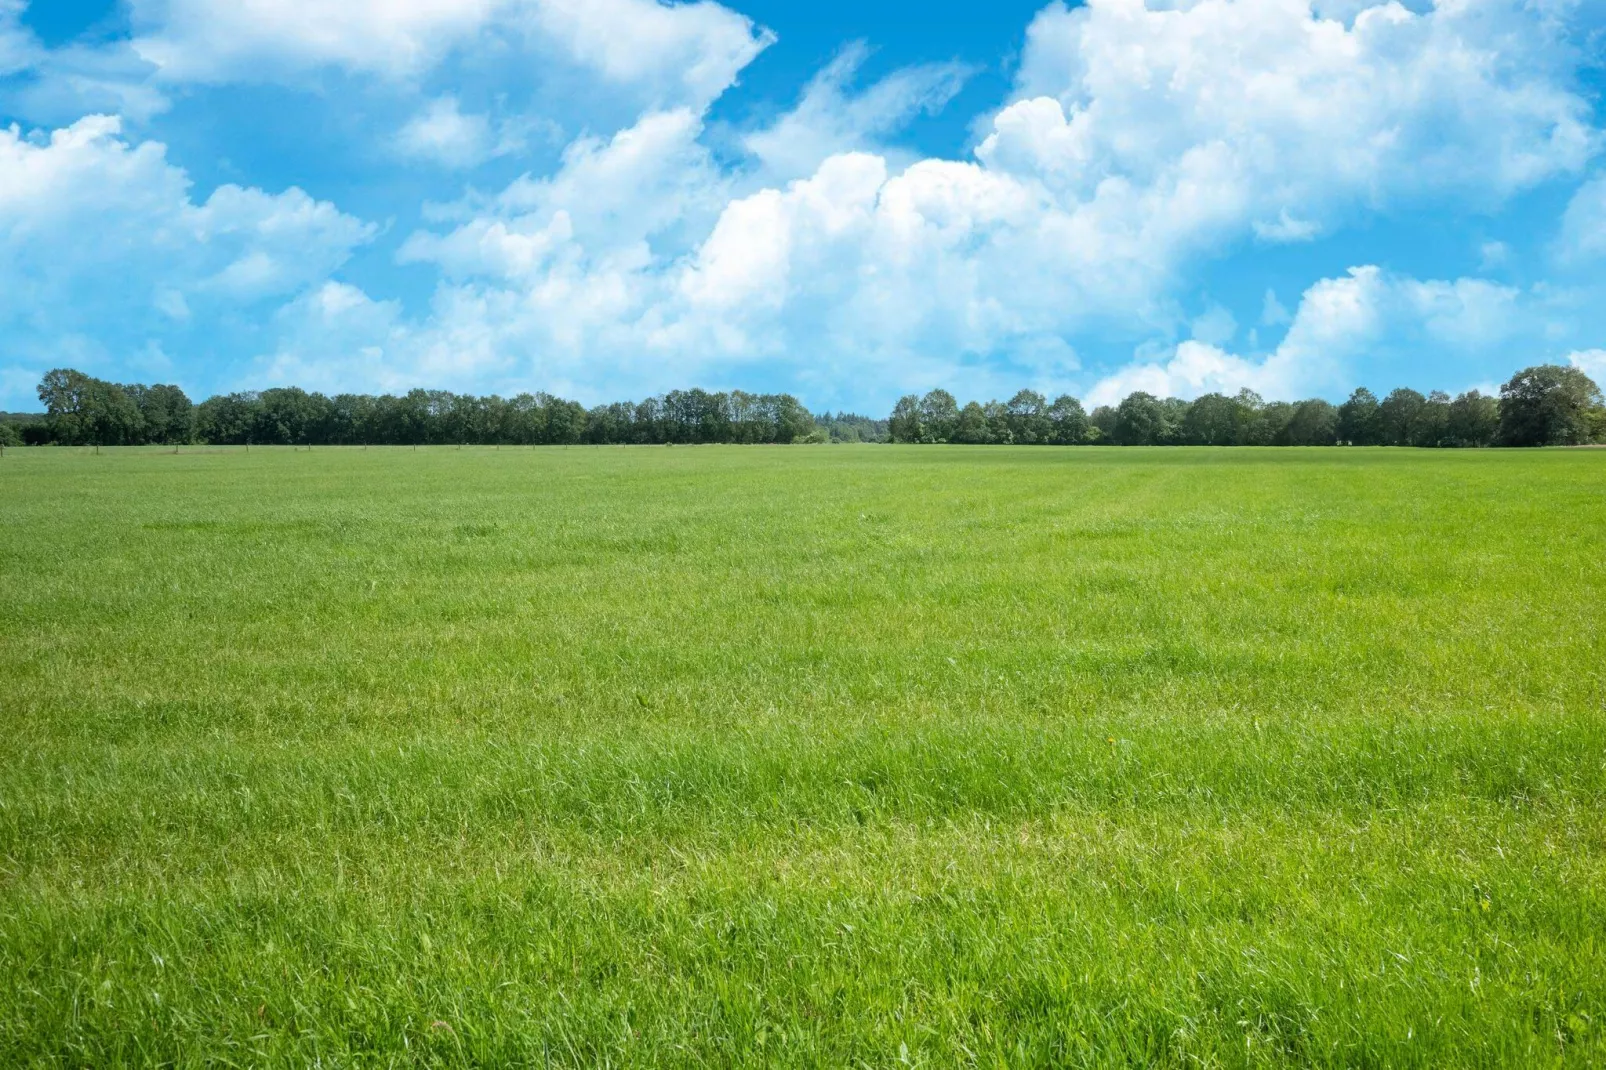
<point x="803" y="756"/>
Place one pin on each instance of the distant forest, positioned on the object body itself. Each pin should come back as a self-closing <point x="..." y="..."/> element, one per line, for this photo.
<point x="1545" y="405"/>
<point x="81" y="410"/>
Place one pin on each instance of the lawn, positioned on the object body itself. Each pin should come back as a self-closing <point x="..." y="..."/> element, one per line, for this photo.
<point x="803" y="756"/>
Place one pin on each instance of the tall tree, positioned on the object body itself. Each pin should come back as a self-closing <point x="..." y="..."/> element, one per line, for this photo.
<point x="939" y="416"/>
<point x="1474" y="420"/>
<point x="1312" y="423"/>
<point x="1068" y="422"/>
<point x="1028" y="419"/>
<point x="1397" y="416"/>
<point x="167" y="416"/>
<point x="905" y="424"/>
<point x="1360" y="421"/>
<point x="1212" y="420"/>
<point x="1548" y="405"/>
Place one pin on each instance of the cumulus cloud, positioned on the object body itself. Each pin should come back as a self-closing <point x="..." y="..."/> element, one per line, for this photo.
<point x="106" y="230"/>
<point x="1366" y="323"/>
<point x="199" y="40"/>
<point x="1141" y="141"/>
<point x="671" y="53"/>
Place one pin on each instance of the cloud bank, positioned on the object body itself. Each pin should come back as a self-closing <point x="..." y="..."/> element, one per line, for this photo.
<point x="1143" y="146"/>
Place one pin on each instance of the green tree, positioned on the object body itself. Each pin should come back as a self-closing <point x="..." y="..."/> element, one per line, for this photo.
<point x="1141" y="420"/>
<point x="1212" y="420"/>
<point x="939" y="416"/>
<point x="1028" y="419"/>
<point x="1312" y="423"/>
<point x="1397" y="417"/>
<point x="1548" y="405"/>
<point x="971" y="428"/>
<point x="168" y="415"/>
<point x="1474" y="420"/>
<point x="1360" y="421"/>
<point x="1253" y="429"/>
<point x="84" y="411"/>
<point x="905" y="425"/>
<point x="1101" y="424"/>
<point x="1432" y="424"/>
<point x="1067" y="422"/>
<point x="226" y="419"/>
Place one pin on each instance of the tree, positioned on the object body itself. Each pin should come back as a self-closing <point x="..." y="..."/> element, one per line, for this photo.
<point x="9" y="435"/>
<point x="167" y="415"/>
<point x="1212" y="420"/>
<point x="1397" y="416"/>
<point x="1255" y="427"/>
<point x="1067" y="422"/>
<point x="1028" y="418"/>
<point x="1141" y="420"/>
<point x="226" y="419"/>
<point x="83" y="411"/>
<point x="1474" y="420"/>
<point x="1312" y="423"/>
<point x="1548" y="405"/>
<point x="905" y="424"/>
<point x="1432" y="423"/>
<point x="1101" y="424"/>
<point x="1360" y="421"/>
<point x="972" y="426"/>
<point x="939" y="416"/>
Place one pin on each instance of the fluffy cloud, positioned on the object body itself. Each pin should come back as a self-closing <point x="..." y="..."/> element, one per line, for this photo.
<point x="1592" y="362"/>
<point x="687" y="52"/>
<point x="201" y="40"/>
<point x="106" y="229"/>
<point x="442" y="134"/>
<point x="1364" y="326"/>
<point x="1194" y="123"/>
<point x="1142" y="142"/>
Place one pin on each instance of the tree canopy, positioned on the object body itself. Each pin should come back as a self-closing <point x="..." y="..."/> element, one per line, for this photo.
<point x="1545" y="405"/>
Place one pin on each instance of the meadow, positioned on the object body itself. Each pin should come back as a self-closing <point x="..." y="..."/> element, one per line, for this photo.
<point x="809" y="756"/>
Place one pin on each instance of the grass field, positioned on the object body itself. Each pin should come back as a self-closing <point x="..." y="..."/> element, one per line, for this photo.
<point x="803" y="756"/>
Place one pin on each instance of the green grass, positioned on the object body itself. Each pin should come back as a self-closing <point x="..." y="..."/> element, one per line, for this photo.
<point x="810" y="756"/>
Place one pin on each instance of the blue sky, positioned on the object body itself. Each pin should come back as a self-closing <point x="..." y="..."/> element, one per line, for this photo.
<point x="610" y="198"/>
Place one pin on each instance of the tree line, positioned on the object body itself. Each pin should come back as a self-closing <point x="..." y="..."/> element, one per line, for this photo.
<point x="1540" y="406"/>
<point x="81" y="410"/>
<point x="1546" y="405"/>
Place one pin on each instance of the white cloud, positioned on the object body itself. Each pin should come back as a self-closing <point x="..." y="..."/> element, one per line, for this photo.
<point x="106" y="229"/>
<point x="442" y="134"/>
<point x="1592" y="362"/>
<point x="19" y="49"/>
<point x="607" y="200"/>
<point x="831" y="119"/>
<point x="201" y="40"/>
<point x="684" y="54"/>
<point x="1140" y="142"/>
<point x="681" y="53"/>
<point x="1364" y="323"/>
